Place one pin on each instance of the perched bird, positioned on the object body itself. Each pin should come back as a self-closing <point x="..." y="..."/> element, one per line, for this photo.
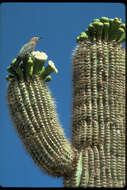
<point x="26" y="50"/>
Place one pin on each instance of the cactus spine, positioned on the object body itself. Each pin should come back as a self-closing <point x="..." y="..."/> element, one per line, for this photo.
<point x="96" y="155"/>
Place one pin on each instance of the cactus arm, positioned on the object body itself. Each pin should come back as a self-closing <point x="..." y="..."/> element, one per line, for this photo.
<point x="33" y="112"/>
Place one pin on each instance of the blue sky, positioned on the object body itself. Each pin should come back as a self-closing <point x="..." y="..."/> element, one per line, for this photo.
<point x="59" y="24"/>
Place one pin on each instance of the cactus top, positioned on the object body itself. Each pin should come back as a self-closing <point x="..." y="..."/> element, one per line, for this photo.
<point x="104" y="29"/>
<point x="33" y="65"/>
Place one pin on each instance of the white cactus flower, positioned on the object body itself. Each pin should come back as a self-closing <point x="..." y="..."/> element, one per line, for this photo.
<point x="42" y="56"/>
<point x="52" y="65"/>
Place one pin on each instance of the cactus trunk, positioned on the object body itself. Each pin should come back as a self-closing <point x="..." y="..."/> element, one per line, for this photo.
<point x="98" y="128"/>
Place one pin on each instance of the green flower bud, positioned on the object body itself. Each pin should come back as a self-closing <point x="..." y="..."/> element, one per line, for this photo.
<point x="29" y="67"/>
<point x="11" y="70"/>
<point x="9" y="77"/>
<point x="48" y="78"/>
<point x="41" y="70"/>
<point x="105" y="30"/>
<point x="83" y="34"/>
<point x="78" y="39"/>
<point x="122" y="38"/>
<point x="123" y="26"/>
<point x="114" y="25"/>
<point x="120" y="35"/>
<point x="13" y="61"/>
<point x="91" y="31"/>
<point x="96" y="20"/>
<point x="82" y="37"/>
<point x="30" y="60"/>
<point x="104" y="19"/>
<point x="98" y="28"/>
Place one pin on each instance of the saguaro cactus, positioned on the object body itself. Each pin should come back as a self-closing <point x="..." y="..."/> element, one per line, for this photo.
<point x="96" y="155"/>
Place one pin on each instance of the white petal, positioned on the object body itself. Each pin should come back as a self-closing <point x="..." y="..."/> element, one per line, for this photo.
<point x="40" y="55"/>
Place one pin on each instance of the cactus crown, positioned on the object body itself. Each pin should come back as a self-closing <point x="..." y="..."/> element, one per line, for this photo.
<point x="104" y="29"/>
<point x="33" y="65"/>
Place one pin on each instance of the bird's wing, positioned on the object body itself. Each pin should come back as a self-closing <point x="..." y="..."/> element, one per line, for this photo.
<point x="26" y="50"/>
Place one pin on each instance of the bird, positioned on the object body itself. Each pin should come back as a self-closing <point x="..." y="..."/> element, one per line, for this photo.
<point x="25" y="51"/>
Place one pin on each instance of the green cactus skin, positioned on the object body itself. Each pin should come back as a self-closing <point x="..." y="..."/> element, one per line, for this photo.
<point x="96" y="155"/>
<point x="33" y="112"/>
<point x="98" y="112"/>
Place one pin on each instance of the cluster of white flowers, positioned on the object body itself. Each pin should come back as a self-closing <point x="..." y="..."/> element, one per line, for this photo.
<point x="40" y="55"/>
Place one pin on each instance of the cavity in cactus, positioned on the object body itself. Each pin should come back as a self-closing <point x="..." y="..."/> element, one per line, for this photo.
<point x="96" y="155"/>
